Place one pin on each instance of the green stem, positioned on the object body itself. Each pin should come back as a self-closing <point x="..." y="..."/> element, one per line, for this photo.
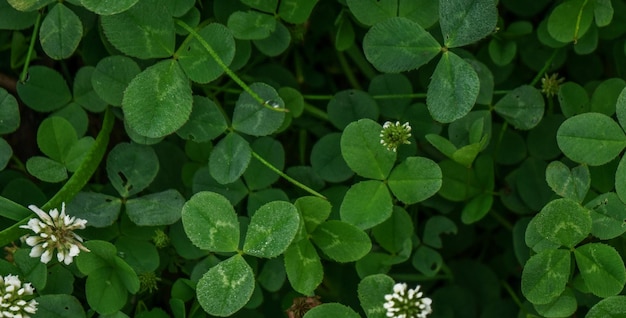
<point x="227" y="70"/>
<point x="513" y="295"/>
<point x="286" y="177"/>
<point x="315" y="112"/>
<point x="544" y="69"/>
<point x="348" y="71"/>
<point x="383" y="96"/>
<point x="499" y="142"/>
<point x="31" y="48"/>
<point x="75" y="183"/>
<point x="501" y="220"/>
<point x="359" y="59"/>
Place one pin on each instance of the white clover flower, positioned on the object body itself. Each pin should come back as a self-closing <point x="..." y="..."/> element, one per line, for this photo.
<point x="54" y="231"/>
<point x="393" y="135"/>
<point x="12" y="294"/>
<point x="407" y="304"/>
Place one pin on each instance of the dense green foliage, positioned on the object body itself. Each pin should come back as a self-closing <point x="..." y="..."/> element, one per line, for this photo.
<point x="231" y="156"/>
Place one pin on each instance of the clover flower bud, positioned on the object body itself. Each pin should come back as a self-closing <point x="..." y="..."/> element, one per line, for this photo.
<point x="394" y="135"/>
<point x="403" y="303"/>
<point x="54" y="231"/>
<point x="14" y="298"/>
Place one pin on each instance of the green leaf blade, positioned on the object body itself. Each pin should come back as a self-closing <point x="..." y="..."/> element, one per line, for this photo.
<point x="602" y="269"/>
<point x="466" y="21"/>
<point x="453" y="89"/>
<point x="545" y="275"/>
<point x="341" y="241"/>
<point x="362" y="151"/>
<point x="226" y="287"/>
<point x="415" y="179"/>
<point x="60" y="33"/>
<point x="211" y="223"/>
<point x="366" y="204"/>
<point x="158" y="101"/>
<point x="591" y="138"/>
<point x="272" y="228"/>
<point x="230" y="158"/>
<point x="398" y="45"/>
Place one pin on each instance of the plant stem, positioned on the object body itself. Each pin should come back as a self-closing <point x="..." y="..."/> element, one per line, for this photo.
<point x="31" y="48"/>
<point x="286" y="177"/>
<point x="545" y="68"/>
<point x="224" y="67"/>
<point x="383" y="96"/>
<point x="75" y="183"/>
<point x="501" y="220"/>
<point x="348" y="71"/>
<point x="316" y="112"/>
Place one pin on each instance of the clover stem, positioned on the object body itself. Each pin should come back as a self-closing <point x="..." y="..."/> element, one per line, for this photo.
<point x="31" y="48"/>
<point x="78" y="180"/>
<point x="227" y="70"/>
<point x="512" y="293"/>
<point x="347" y="71"/>
<point x="501" y="220"/>
<point x="545" y="68"/>
<point x="286" y="177"/>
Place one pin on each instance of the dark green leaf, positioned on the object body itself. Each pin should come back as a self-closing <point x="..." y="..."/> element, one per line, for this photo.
<point x="226" y="287"/>
<point x="59" y="306"/>
<point x="257" y="119"/>
<point x="9" y="112"/>
<point x="271" y="229"/>
<point x="545" y="275"/>
<point x="229" y="158"/>
<point x="331" y="310"/>
<point x="211" y="223"/>
<point x="112" y="76"/>
<point x="602" y="269"/>
<point x="570" y="20"/>
<point x="351" y="105"/>
<point x="610" y="307"/>
<point x="341" y="241"/>
<point x="131" y="168"/>
<point x="158" y="101"/>
<point x="564" y="221"/>
<point x="466" y="21"/>
<point x="399" y="44"/>
<point x="362" y="151"/>
<point x="372" y="291"/>
<point x="44" y="90"/>
<point x="453" y="89"/>
<point x="145" y="31"/>
<point x="591" y="138"/>
<point x="60" y="33"/>
<point x="108" y="7"/>
<point x="195" y="60"/>
<point x="415" y="179"/>
<point x="206" y="122"/>
<point x="572" y="184"/>
<point x="251" y="25"/>
<point x="303" y="266"/>
<point x="161" y="208"/>
<point x="46" y="169"/>
<point x="366" y="204"/>
<point x="522" y="107"/>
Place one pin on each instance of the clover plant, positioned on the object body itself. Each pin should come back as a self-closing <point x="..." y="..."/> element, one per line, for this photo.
<point x="312" y="158"/>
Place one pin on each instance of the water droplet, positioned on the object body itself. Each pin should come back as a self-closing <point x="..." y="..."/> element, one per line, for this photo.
<point x="272" y="103"/>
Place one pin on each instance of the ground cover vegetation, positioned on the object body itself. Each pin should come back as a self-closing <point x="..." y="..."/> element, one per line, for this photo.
<point x="312" y="158"/>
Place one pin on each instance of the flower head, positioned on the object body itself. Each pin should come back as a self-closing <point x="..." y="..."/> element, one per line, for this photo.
<point x="550" y="84"/>
<point x="54" y="231"/>
<point x="13" y="298"/>
<point x="393" y="135"/>
<point x="405" y="303"/>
